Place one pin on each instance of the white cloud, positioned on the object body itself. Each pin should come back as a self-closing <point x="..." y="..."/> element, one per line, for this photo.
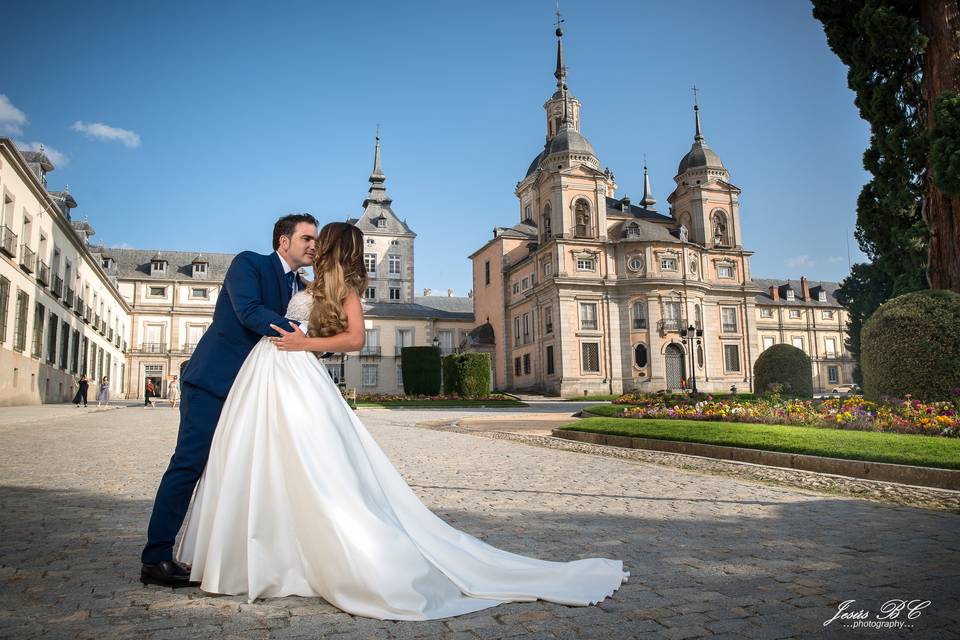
<point x="800" y="261"/>
<point x="835" y="259"/>
<point x="58" y="158"/>
<point x="11" y="118"/>
<point x="106" y="132"/>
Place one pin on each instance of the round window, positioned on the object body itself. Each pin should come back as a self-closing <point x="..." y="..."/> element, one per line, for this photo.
<point x="640" y="355"/>
<point x="635" y="263"/>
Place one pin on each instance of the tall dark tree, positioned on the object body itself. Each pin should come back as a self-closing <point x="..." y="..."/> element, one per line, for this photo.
<point x="940" y="23"/>
<point x="904" y="67"/>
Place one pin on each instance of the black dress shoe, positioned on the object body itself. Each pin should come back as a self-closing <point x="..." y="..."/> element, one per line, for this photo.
<point x="166" y="574"/>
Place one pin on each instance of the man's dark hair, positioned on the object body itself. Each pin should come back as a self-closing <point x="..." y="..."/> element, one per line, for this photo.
<point x="286" y="225"/>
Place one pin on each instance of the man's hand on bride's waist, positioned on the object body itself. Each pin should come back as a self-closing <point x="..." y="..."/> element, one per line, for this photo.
<point x="295" y="340"/>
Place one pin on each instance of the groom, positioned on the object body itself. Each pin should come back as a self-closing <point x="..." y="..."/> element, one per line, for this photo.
<point x="255" y="294"/>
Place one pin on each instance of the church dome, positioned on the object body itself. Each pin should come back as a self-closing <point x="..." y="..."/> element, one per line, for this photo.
<point x="566" y="141"/>
<point x="700" y="156"/>
<point x="569" y="141"/>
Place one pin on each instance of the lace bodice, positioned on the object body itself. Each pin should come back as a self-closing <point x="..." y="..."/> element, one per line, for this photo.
<point x="299" y="307"/>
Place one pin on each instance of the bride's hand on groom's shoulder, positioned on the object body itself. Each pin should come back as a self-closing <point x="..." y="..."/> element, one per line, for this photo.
<point x="295" y="340"/>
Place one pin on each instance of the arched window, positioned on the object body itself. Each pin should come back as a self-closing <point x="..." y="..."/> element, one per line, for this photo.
<point x="547" y="222"/>
<point x="581" y="220"/>
<point x="640" y="355"/>
<point x="699" y="316"/>
<point x="720" y="229"/>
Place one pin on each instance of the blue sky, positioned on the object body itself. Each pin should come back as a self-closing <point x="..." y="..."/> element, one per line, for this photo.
<point x="193" y="126"/>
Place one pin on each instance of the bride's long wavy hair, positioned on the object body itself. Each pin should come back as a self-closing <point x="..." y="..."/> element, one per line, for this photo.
<point x="338" y="269"/>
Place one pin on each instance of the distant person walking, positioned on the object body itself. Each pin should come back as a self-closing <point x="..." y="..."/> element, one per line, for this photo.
<point x="173" y="391"/>
<point x="83" y="386"/>
<point x="103" y="395"/>
<point x="149" y="391"/>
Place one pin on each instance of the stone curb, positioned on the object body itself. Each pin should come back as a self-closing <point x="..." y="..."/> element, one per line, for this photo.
<point x="881" y="471"/>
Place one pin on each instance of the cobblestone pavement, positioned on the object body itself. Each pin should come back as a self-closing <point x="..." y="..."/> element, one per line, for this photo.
<point x="709" y="556"/>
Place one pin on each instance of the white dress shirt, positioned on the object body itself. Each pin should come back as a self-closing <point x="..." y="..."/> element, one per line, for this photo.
<point x="287" y="269"/>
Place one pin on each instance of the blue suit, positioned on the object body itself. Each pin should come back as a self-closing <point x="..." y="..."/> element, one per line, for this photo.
<point x="255" y="295"/>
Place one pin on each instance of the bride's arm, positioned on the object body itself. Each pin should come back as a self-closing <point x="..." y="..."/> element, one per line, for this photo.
<point x="351" y="339"/>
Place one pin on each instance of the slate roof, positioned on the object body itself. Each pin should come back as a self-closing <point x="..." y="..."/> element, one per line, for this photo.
<point x="798" y="301"/>
<point x="135" y="263"/>
<point x="456" y="304"/>
<point x="425" y="307"/>
<point x="614" y="206"/>
<point x="482" y="334"/>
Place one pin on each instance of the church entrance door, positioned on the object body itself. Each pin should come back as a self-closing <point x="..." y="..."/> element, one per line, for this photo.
<point x="676" y="371"/>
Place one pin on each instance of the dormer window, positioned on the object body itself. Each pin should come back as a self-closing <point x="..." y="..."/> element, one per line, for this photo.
<point x="791" y="295"/>
<point x="107" y="263"/>
<point x="158" y="267"/>
<point x="381" y="221"/>
<point x="199" y="269"/>
<point x="822" y="295"/>
<point x="633" y="230"/>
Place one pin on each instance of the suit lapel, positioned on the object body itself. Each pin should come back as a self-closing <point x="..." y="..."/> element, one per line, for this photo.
<point x="281" y="281"/>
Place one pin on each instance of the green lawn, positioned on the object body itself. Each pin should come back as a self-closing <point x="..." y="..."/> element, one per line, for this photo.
<point x="897" y="448"/>
<point x="597" y="397"/>
<point x="444" y="403"/>
<point x="608" y="410"/>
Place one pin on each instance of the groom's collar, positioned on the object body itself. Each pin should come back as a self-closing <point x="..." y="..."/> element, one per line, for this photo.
<point x="283" y="263"/>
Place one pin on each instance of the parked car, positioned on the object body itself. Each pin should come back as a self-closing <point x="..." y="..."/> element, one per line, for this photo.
<point x="846" y="389"/>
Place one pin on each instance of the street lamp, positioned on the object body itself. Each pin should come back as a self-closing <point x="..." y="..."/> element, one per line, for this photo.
<point x="436" y="343"/>
<point x="693" y="337"/>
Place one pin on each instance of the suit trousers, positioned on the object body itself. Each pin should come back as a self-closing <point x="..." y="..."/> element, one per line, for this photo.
<point x="199" y="413"/>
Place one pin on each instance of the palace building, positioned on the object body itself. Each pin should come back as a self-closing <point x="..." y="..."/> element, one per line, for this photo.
<point x="61" y="315"/>
<point x="592" y="293"/>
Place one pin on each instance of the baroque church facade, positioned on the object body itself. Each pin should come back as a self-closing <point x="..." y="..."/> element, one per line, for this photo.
<point x="591" y="293"/>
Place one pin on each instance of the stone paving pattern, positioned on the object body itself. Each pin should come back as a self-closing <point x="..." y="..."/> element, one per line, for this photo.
<point x="710" y="555"/>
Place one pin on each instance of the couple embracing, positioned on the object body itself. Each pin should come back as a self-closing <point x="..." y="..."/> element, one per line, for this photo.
<point x="290" y="493"/>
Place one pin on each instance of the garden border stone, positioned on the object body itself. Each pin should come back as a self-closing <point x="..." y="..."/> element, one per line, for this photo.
<point x="882" y="471"/>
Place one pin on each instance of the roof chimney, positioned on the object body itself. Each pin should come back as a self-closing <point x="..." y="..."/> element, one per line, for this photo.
<point x="774" y="292"/>
<point x="449" y="293"/>
<point x="805" y="287"/>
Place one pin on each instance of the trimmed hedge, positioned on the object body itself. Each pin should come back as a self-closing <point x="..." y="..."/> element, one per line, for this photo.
<point x="466" y="374"/>
<point x="911" y="344"/>
<point x="449" y="374"/>
<point x="421" y="370"/>
<point x="786" y="365"/>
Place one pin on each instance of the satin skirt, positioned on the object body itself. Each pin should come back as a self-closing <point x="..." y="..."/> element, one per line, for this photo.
<point x="298" y="499"/>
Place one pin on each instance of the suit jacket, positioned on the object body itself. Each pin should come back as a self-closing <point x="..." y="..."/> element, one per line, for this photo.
<point x="254" y="296"/>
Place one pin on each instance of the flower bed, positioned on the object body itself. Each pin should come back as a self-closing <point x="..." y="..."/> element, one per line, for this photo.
<point x="853" y="412"/>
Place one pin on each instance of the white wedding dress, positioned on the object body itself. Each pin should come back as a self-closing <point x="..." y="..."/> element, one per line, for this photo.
<point x="298" y="499"/>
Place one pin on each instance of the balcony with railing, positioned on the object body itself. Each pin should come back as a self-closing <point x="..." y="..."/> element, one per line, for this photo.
<point x="68" y="297"/>
<point x="669" y="324"/>
<point x="57" y="287"/>
<point x="188" y="347"/>
<point x="372" y="351"/>
<point x="8" y="241"/>
<point x="43" y="272"/>
<point x="28" y="258"/>
<point x="153" y="347"/>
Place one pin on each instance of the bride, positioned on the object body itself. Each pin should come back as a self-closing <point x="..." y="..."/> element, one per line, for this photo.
<point x="298" y="499"/>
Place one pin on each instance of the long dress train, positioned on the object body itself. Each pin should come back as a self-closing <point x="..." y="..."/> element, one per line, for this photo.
<point x="298" y="499"/>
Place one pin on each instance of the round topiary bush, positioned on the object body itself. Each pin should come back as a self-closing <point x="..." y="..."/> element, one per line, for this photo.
<point x="786" y="366"/>
<point x="911" y="344"/>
